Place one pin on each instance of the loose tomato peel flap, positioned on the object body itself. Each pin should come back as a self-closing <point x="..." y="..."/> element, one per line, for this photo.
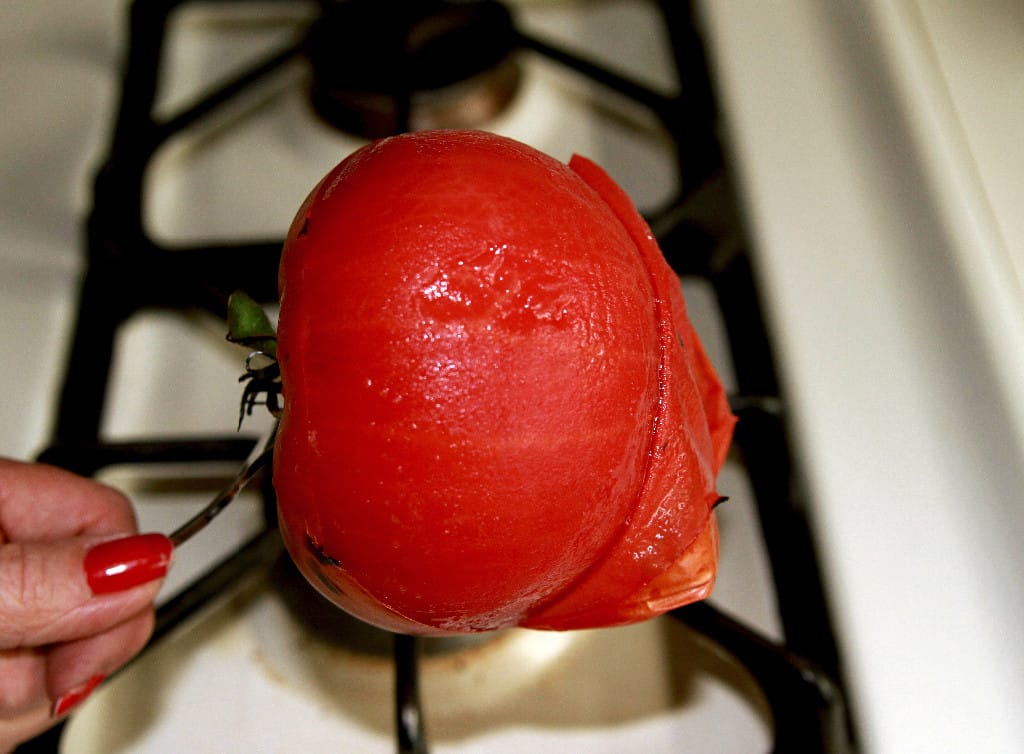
<point x="668" y="551"/>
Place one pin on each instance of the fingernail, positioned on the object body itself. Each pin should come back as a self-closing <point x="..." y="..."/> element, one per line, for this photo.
<point x="120" y="564"/>
<point x="66" y="702"/>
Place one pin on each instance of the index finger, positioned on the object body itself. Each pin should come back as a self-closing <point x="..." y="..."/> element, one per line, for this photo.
<point x="40" y="502"/>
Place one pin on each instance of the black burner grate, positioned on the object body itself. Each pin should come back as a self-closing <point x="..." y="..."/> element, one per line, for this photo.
<point x="701" y="234"/>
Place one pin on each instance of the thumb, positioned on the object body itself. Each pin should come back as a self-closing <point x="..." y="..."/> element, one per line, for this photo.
<point x="66" y="589"/>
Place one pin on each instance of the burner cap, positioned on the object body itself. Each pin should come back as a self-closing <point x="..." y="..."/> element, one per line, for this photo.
<point x="380" y="68"/>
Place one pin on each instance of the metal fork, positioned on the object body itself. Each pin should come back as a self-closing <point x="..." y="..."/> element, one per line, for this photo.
<point x="258" y="458"/>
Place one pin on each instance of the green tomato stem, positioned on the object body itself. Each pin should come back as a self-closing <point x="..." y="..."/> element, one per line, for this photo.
<point x="248" y="324"/>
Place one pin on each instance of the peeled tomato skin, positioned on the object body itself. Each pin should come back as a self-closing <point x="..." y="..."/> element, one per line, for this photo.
<point x="668" y="549"/>
<point x="487" y="409"/>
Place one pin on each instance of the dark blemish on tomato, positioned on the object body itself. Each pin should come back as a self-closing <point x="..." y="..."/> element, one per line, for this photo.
<point x="318" y="552"/>
<point x="329" y="585"/>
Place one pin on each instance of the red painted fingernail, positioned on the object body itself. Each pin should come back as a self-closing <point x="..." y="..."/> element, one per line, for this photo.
<point x="120" y="564"/>
<point x="66" y="702"/>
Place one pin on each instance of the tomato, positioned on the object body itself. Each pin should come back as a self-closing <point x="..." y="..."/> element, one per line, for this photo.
<point x="496" y="412"/>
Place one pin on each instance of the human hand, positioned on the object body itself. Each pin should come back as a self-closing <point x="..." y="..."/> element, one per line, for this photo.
<point x="77" y="585"/>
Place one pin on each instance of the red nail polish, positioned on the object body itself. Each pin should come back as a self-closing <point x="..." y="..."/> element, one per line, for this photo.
<point x="68" y="701"/>
<point x="120" y="564"/>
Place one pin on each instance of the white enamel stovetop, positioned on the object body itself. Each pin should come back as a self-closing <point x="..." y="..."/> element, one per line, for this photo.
<point x="878" y="148"/>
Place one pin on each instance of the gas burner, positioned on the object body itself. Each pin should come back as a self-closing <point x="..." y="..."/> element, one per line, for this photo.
<point x="442" y="49"/>
<point x="380" y="68"/>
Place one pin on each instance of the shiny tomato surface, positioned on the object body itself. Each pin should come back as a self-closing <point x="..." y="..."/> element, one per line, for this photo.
<point x="496" y="412"/>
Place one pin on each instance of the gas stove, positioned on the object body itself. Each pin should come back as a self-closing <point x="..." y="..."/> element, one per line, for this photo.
<point x="228" y="113"/>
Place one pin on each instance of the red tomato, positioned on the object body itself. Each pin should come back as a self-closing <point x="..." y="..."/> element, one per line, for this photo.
<point x="496" y="412"/>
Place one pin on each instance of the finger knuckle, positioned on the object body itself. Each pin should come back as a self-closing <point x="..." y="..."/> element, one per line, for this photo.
<point x="23" y="596"/>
